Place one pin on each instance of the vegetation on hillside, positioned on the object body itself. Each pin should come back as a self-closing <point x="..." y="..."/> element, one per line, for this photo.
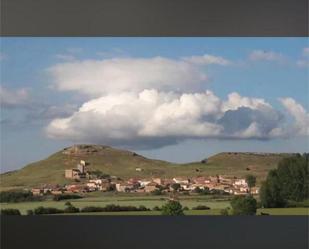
<point x="104" y="160"/>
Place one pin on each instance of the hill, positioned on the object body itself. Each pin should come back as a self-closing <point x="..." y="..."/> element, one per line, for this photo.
<point x="123" y="164"/>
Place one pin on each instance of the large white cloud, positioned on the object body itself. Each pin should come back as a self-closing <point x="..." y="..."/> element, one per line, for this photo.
<point x="97" y="77"/>
<point x="153" y="118"/>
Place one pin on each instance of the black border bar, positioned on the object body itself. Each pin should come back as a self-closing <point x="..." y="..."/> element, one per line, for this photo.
<point x="154" y="18"/>
<point x="155" y="232"/>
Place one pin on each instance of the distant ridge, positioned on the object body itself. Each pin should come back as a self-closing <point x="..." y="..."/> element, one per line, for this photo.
<point x="123" y="163"/>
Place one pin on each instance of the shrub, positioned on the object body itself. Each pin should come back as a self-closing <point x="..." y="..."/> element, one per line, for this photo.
<point x="244" y="205"/>
<point x="156" y="208"/>
<point x="172" y="208"/>
<point x="201" y="207"/>
<point x="185" y="209"/>
<point x="18" y="196"/>
<point x="10" y="211"/>
<point x="156" y="192"/>
<point x="70" y="208"/>
<point x="47" y="210"/>
<point x="30" y="212"/>
<point x="114" y="208"/>
<point x="66" y="197"/>
<point x="224" y="211"/>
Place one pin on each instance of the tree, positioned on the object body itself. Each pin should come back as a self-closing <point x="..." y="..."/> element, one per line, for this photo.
<point x="289" y="182"/>
<point x="270" y="192"/>
<point x="244" y="205"/>
<point x="172" y="208"/>
<point x="251" y="180"/>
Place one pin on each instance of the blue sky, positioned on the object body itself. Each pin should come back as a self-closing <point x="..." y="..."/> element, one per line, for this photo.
<point x="256" y="68"/>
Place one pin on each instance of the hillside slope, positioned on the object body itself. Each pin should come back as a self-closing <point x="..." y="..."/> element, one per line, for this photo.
<point x="123" y="164"/>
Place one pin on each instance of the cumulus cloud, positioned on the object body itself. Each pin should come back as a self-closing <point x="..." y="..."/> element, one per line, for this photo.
<point x="153" y="118"/>
<point x="300" y="115"/>
<point x="10" y="98"/>
<point x="115" y="75"/>
<point x="261" y="55"/>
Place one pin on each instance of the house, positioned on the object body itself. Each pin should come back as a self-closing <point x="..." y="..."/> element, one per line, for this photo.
<point x="37" y="191"/>
<point x="92" y="186"/>
<point x="106" y="186"/>
<point x="214" y="179"/>
<point x="181" y="180"/>
<point x="74" y="174"/>
<point x="240" y="182"/>
<point x="201" y="180"/>
<point x="77" y="188"/>
<point x="124" y="187"/>
<point x="255" y="190"/>
<point x="226" y="180"/>
<point x="56" y="192"/>
<point x="81" y="168"/>
<point x="159" y="181"/>
<point x="238" y="192"/>
<point x="151" y="187"/>
<point x="144" y="182"/>
<point x="186" y="187"/>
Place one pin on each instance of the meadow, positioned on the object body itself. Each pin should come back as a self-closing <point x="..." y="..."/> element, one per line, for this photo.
<point x="216" y="204"/>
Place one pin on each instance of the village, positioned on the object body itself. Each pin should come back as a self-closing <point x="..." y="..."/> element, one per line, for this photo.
<point x="84" y="181"/>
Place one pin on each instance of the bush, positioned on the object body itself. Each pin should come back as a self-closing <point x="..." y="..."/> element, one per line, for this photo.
<point x="47" y="210"/>
<point x="156" y="192"/>
<point x="30" y="212"/>
<point x="66" y="197"/>
<point x="224" y="211"/>
<point x="185" y="209"/>
<point x="173" y="208"/>
<point x="10" y="211"/>
<point x="244" y="205"/>
<point x="18" y="196"/>
<point x="201" y="207"/>
<point x="113" y="208"/>
<point x="70" y="208"/>
<point x="92" y="209"/>
<point x="156" y="208"/>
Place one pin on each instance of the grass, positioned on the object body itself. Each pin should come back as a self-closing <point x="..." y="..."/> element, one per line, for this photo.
<point x="123" y="163"/>
<point x="147" y="201"/>
<point x="216" y="205"/>
<point x="284" y="211"/>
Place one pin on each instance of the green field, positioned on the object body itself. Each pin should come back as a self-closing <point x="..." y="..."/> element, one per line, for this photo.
<point x="147" y="201"/>
<point x="95" y="199"/>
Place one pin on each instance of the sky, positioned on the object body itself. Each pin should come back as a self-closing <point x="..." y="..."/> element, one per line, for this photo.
<point x="175" y="99"/>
